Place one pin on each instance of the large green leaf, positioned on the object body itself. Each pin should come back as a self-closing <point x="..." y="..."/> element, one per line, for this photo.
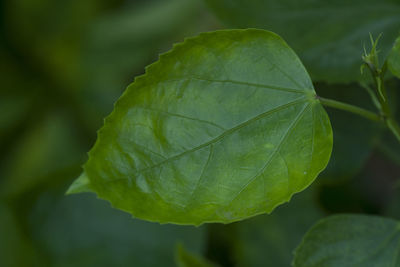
<point x="394" y="58"/>
<point x="328" y="35"/>
<point x="223" y="127"/>
<point x="351" y="240"/>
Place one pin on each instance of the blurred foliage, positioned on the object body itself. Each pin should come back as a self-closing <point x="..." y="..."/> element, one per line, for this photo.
<point x="94" y="234"/>
<point x="188" y="259"/>
<point x="15" y="248"/>
<point x="63" y="65"/>
<point x="327" y="35"/>
<point x="351" y="148"/>
<point x="350" y="240"/>
<point x="269" y="240"/>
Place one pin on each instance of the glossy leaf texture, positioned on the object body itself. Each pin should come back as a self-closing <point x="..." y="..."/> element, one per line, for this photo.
<point x="223" y="127"/>
<point x="394" y="59"/>
<point x="327" y="35"/>
<point x="351" y="240"/>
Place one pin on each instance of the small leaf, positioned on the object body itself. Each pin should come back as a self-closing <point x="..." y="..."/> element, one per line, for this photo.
<point x="394" y="59"/>
<point x="223" y="127"/>
<point x="351" y="240"/>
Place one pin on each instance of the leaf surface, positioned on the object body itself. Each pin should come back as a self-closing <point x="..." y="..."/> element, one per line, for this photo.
<point x="328" y="35"/>
<point x="223" y="127"/>
<point x="351" y="240"/>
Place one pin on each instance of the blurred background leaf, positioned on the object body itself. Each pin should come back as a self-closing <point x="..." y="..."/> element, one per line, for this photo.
<point x="15" y="248"/>
<point x="269" y="240"/>
<point x="328" y="35"/>
<point x="394" y="58"/>
<point x="84" y="231"/>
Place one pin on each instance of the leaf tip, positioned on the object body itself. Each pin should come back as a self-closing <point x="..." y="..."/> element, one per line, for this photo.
<point x="80" y="185"/>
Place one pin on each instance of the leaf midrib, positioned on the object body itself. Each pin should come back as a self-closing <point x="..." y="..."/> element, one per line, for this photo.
<point x="228" y="132"/>
<point x="299" y="90"/>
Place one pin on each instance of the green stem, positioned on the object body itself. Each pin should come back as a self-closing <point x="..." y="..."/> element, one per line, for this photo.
<point x="372" y="95"/>
<point x="350" y="108"/>
<point x="394" y="127"/>
<point x="386" y="113"/>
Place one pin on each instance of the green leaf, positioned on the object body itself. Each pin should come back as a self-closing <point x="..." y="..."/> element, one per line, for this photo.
<point x="223" y="127"/>
<point x="186" y="259"/>
<point x="328" y="35"/>
<point x="394" y="59"/>
<point x="351" y="240"/>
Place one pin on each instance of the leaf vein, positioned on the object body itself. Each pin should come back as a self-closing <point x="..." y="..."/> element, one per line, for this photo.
<point x="232" y="130"/>
<point x="201" y="176"/>
<point x="266" y="86"/>
<point x="228" y="132"/>
<point x="180" y="116"/>
<point x="291" y="126"/>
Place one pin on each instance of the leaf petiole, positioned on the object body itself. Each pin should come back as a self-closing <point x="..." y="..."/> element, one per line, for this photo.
<point x="389" y="121"/>
<point x="350" y="108"/>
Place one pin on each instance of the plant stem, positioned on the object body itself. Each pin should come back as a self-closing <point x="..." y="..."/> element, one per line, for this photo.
<point x="350" y="108"/>
<point x="394" y="127"/>
<point x="372" y="95"/>
<point x="386" y="112"/>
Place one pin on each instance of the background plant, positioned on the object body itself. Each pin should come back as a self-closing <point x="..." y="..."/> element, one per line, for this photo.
<point x="59" y="85"/>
